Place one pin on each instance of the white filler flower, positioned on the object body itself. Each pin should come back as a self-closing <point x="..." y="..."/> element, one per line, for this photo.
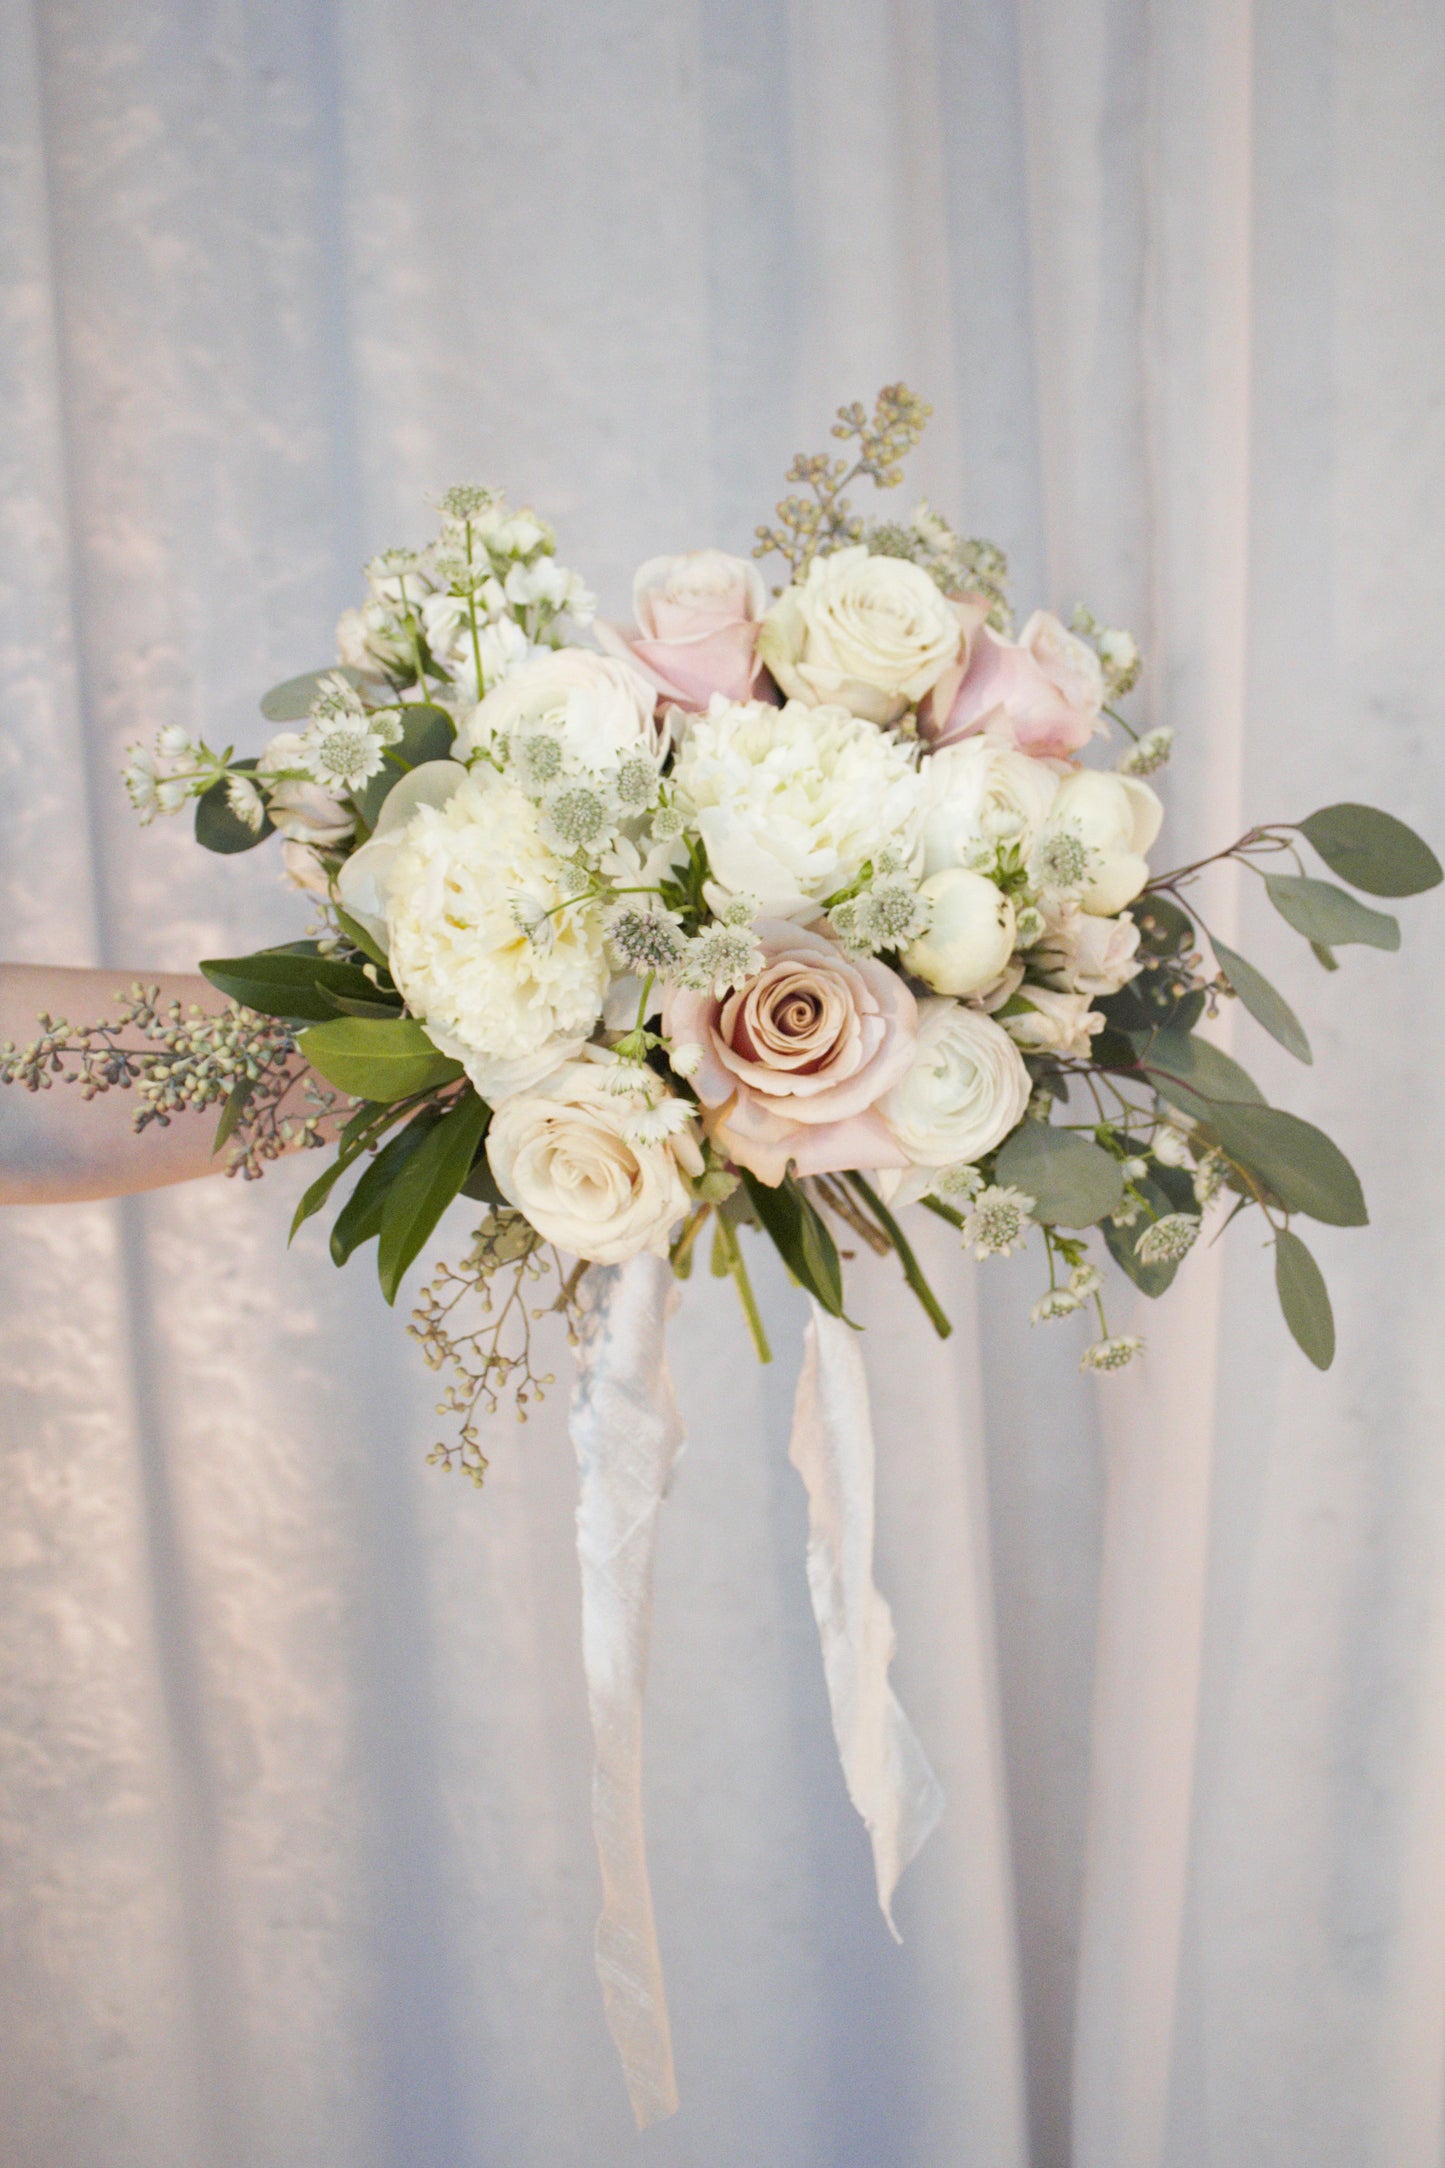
<point x="508" y="1005"/>
<point x="793" y="801"/>
<point x="966" y="1090"/>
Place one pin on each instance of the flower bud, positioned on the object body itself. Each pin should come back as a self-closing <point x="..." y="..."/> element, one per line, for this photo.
<point x="970" y="935"/>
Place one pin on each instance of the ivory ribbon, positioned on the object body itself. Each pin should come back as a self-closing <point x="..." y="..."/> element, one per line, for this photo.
<point x="887" y="1773"/>
<point x="626" y="1432"/>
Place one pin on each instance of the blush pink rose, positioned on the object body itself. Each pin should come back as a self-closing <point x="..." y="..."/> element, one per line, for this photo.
<point x="1041" y="693"/>
<point x="794" y="1064"/>
<point x="697" y="627"/>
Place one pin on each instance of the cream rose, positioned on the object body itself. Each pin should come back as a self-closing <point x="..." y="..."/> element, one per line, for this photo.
<point x="596" y="709"/>
<point x="792" y="801"/>
<point x="1083" y="954"/>
<point x="697" y="627"/>
<point x="1054" y="1023"/>
<point x="457" y="870"/>
<point x="970" y="934"/>
<point x="574" y="1154"/>
<point x="966" y="1089"/>
<point x="979" y="795"/>
<point x="1042" y="692"/>
<point x="872" y="634"/>
<point x="1118" y="818"/>
<point x="793" y="1064"/>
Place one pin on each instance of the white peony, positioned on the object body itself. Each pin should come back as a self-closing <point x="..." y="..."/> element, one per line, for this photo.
<point x="362" y="882"/>
<point x="979" y="794"/>
<point x="793" y="801"/>
<point x="970" y="934"/>
<point x="598" y="1171"/>
<point x="460" y="880"/>
<point x="595" y="709"/>
<point x="872" y="634"/>
<point x="1081" y="953"/>
<point x="1118" y="818"/>
<point x="967" y="1088"/>
<point x="1054" y="1023"/>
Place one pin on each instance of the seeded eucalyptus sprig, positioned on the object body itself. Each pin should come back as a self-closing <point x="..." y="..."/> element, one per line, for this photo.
<point x="809" y="527"/>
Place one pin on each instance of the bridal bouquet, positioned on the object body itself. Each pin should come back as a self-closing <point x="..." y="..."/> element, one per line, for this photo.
<point x="773" y="914"/>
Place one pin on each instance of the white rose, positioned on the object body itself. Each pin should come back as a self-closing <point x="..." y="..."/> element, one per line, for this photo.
<point x="1081" y="953"/>
<point x="792" y="801"/>
<point x="459" y="870"/>
<point x="979" y="794"/>
<point x="1054" y="1023"/>
<point x="966" y="1090"/>
<point x="970" y="934"/>
<point x="597" y="710"/>
<point x="873" y="634"/>
<point x="572" y="1156"/>
<point x="1119" y="818"/>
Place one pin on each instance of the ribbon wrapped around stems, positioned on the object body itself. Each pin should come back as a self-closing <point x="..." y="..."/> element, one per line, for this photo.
<point x="626" y="1432"/>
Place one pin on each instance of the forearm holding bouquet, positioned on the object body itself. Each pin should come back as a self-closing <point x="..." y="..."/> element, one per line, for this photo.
<point x="767" y="917"/>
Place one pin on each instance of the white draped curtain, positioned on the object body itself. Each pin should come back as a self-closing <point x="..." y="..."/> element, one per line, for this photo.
<point x="297" y="1864"/>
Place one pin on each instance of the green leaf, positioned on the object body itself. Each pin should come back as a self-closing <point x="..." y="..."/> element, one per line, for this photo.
<point x="1192" y="1074"/>
<point x="426" y="1185"/>
<point x="360" y="1217"/>
<point x="359" y="938"/>
<point x="1150" y="1002"/>
<point x="800" y="1237"/>
<point x="1263" y="1003"/>
<point x="1073" y="1183"/>
<point x="218" y="828"/>
<point x="428" y="733"/>
<point x="1304" y="1298"/>
<point x="1324" y="957"/>
<point x="290" y="702"/>
<point x="364" y="1125"/>
<point x="378" y="1005"/>
<point x="1372" y="850"/>
<point x="372" y="1058"/>
<point x="1330" y="915"/>
<point x="1296" y="1162"/>
<point x="294" y="982"/>
<point x="237" y="1101"/>
<point x="1151" y="1280"/>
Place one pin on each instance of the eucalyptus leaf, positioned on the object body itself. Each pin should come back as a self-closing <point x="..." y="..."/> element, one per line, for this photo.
<point x="425" y="1186"/>
<point x="1296" y="1162"/>
<point x="1122" y="1242"/>
<point x="1372" y="850"/>
<point x="800" y="1237"/>
<point x="290" y="702"/>
<point x="1072" y="1181"/>
<point x="1329" y="915"/>
<point x="1263" y="1003"/>
<point x="1192" y="1074"/>
<point x="218" y="828"/>
<point x="375" y="1058"/>
<point x="1304" y="1298"/>
<point x="428" y="733"/>
<point x="1324" y="957"/>
<point x="295" y="982"/>
<point x="359" y="1219"/>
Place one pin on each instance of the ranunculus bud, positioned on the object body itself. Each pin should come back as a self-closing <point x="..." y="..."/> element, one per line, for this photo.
<point x="1118" y="817"/>
<point x="970" y="936"/>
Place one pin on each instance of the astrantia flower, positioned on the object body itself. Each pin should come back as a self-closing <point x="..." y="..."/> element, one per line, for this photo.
<point x="1085" y="1280"/>
<point x="1058" y="1302"/>
<point x="246" y="802"/>
<point x="345" y="742"/>
<point x="1151" y="752"/>
<point x="1114" y="1354"/>
<point x="1171" y="1147"/>
<point x="647" y="938"/>
<point x="792" y="802"/>
<point x="507" y="1006"/>
<point x="1209" y="1178"/>
<point x="1169" y="1239"/>
<point x="721" y="959"/>
<point x="999" y="1222"/>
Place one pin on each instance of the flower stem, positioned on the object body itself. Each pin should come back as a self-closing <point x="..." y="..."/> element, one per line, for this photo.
<point x="732" y="1253"/>
<point x="912" y="1270"/>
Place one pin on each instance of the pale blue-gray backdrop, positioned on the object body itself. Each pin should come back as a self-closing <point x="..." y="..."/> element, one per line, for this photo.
<point x="294" y="1833"/>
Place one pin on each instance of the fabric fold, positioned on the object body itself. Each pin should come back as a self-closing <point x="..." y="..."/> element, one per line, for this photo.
<point x="887" y="1773"/>
<point x="626" y="1433"/>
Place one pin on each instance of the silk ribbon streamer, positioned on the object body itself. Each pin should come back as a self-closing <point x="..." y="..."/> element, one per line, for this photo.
<point x="626" y="1432"/>
<point x="887" y="1773"/>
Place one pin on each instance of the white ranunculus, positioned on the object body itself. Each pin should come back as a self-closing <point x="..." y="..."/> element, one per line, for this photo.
<point x="967" y="1088"/>
<point x="1118" y="817"/>
<point x="872" y="634"/>
<point x="793" y="801"/>
<point x="459" y="881"/>
<point x="596" y="710"/>
<point x="970" y="934"/>
<point x="1081" y="953"/>
<point x="1054" y="1023"/>
<point x="981" y="793"/>
<point x="585" y="1164"/>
